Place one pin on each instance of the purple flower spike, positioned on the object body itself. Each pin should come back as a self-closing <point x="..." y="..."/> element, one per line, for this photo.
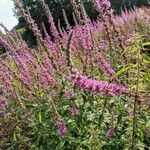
<point x="61" y="128"/>
<point x="52" y="26"/>
<point x="97" y="87"/>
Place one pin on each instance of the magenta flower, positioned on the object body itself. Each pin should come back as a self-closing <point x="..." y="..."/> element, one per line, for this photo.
<point x="53" y="27"/>
<point x="69" y="93"/>
<point x="102" y="4"/>
<point x="61" y="128"/>
<point x="2" y="103"/>
<point x="74" y="111"/>
<point x="110" y="133"/>
<point x="46" y="78"/>
<point x="103" y="45"/>
<point x="86" y="39"/>
<point x="97" y="87"/>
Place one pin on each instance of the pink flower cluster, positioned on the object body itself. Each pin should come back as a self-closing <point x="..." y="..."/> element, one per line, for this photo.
<point x="61" y="128"/>
<point x="74" y="111"/>
<point x="97" y="87"/>
<point x="103" y="4"/>
<point x="2" y="103"/>
<point x="69" y="93"/>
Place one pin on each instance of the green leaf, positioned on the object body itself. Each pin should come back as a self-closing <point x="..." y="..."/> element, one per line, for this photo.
<point x="60" y="145"/>
<point x="14" y="136"/>
<point x="40" y="116"/>
<point x="29" y="105"/>
<point x="130" y="49"/>
<point x="146" y="58"/>
<point x="146" y="44"/>
<point x="124" y="69"/>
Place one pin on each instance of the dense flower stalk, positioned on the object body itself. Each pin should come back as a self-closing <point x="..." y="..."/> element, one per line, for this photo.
<point x="25" y="74"/>
<point x="97" y="87"/>
<point x="46" y="78"/>
<point x="86" y="39"/>
<point x="53" y="27"/>
<point x="84" y="14"/>
<point x="104" y="65"/>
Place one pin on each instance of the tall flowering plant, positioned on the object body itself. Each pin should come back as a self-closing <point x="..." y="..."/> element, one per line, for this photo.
<point x="70" y="91"/>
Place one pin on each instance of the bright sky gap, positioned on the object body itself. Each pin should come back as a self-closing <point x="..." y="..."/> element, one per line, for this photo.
<point x="6" y="14"/>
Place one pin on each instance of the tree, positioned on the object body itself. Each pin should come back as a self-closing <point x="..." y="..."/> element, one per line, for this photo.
<point x="119" y="5"/>
<point x="56" y="7"/>
<point x="39" y="16"/>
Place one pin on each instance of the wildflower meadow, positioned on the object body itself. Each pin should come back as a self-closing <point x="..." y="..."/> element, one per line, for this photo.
<point x="82" y="87"/>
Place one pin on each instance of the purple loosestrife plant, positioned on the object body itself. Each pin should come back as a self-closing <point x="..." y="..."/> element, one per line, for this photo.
<point x="53" y="27"/>
<point x="24" y="72"/>
<point x="97" y="87"/>
<point x="69" y="93"/>
<point x="74" y="111"/>
<point x="46" y="78"/>
<point x="29" y="75"/>
<point x="86" y="39"/>
<point x="104" y="65"/>
<point x="102" y="4"/>
<point x="2" y="103"/>
<point x="110" y="133"/>
<point x="61" y="128"/>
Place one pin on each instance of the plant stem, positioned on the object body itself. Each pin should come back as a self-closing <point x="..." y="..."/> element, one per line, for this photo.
<point x="133" y="147"/>
<point x="102" y="113"/>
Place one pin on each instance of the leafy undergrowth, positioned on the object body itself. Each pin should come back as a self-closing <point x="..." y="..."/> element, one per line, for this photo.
<point x="86" y="87"/>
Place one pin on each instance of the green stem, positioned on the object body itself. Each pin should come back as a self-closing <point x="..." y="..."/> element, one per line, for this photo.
<point x="54" y="107"/>
<point x="102" y="113"/>
<point x="133" y="147"/>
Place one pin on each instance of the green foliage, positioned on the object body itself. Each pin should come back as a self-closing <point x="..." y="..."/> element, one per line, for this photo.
<point x="119" y="5"/>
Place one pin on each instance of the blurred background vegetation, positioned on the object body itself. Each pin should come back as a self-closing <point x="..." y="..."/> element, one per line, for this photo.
<point x="56" y="7"/>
